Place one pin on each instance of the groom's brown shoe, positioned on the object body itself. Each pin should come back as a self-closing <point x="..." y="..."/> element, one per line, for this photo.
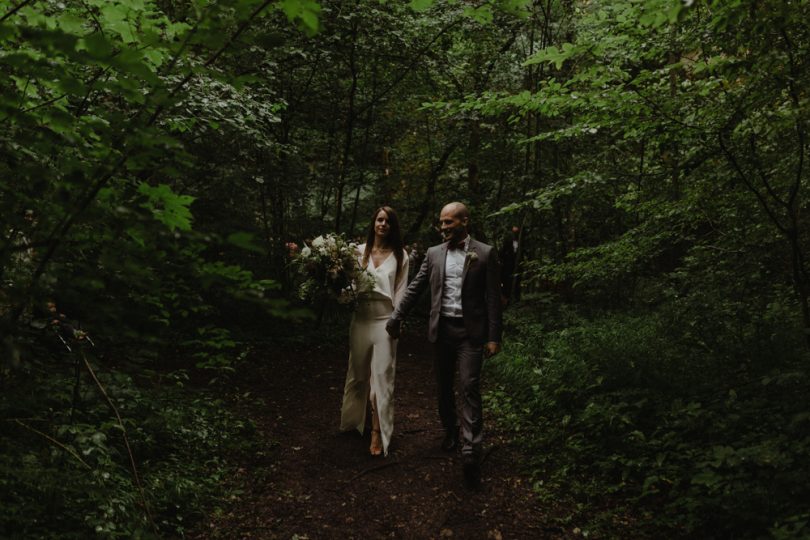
<point x="450" y="441"/>
<point x="472" y="471"/>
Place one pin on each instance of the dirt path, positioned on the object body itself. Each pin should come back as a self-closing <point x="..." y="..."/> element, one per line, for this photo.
<point x="313" y="482"/>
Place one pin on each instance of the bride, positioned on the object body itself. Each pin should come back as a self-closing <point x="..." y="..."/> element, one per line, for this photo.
<point x="373" y="353"/>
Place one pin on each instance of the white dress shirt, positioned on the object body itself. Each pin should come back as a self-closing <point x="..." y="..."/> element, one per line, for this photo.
<point x="453" y="271"/>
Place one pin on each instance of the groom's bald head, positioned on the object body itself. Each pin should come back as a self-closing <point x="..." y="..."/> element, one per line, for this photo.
<point x="453" y="222"/>
<point x="456" y="209"/>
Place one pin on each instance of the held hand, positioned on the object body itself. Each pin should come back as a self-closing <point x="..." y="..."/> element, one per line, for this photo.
<point x="491" y="349"/>
<point x="393" y="328"/>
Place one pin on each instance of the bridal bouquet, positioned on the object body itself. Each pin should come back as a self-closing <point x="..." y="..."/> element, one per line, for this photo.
<point x="330" y="270"/>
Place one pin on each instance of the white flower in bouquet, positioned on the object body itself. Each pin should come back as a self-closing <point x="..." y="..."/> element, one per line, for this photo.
<point x="329" y="269"/>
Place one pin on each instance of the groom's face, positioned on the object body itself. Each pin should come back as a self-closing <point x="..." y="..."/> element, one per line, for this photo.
<point x="452" y="227"/>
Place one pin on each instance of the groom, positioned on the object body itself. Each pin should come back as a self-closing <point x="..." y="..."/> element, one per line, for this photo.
<point x="465" y="325"/>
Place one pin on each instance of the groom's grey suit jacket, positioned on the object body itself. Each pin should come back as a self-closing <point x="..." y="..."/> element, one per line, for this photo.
<point x="480" y="291"/>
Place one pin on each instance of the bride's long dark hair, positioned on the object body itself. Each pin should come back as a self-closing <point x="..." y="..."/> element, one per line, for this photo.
<point x="393" y="239"/>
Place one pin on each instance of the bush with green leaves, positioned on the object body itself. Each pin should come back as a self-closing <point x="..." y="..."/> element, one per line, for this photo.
<point x="633" y="412"/>
<point x="67" y="470"/>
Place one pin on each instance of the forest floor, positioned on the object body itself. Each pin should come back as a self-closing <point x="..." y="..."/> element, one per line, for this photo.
<point x="311" y="481"/>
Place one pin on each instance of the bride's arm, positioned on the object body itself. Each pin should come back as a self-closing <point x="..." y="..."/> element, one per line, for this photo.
<point x="402" y="283"/>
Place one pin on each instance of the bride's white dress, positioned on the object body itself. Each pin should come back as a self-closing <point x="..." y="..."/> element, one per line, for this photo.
<point x="373" y="353"/>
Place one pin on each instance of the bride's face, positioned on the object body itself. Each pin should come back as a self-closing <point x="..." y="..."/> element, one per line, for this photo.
<point x="381" y="226"/>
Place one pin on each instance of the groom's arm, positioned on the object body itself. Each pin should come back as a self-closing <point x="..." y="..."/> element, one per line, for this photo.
<point x="415" y="288"/>
<point x="493" y="299"/>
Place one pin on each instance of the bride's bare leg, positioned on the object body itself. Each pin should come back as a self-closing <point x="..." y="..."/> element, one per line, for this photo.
<point x="376" y="442"/>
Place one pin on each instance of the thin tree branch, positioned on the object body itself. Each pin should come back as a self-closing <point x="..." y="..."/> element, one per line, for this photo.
<point x="85" y="103"/>
<point x="305" y="89"/>
<point x="134" y="468"/>
<point x="496" y="57"/>
<point x="800" y="133"/>
<point x="45" y="103"/>
<point x="763" y="176"/>
<point x="657" y="108"/>
<point x="93" y="16"/>
<point x="373" y="468"/>
<point x="430" y="190"/>
<point x="404" y="73"/>
<point x="16" y="9"/>
<point x="53" y="441"/>
<point x="176" y="58"/>
<point x="741" y="174"/>
<point x="24" y="93"/>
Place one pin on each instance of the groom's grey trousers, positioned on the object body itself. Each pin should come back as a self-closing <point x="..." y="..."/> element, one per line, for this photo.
<point x="453" y="346"/>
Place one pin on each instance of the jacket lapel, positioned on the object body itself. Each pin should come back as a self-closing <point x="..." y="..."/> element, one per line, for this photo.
<point x="437" y="277"/>
<point x="442" y="262"/>
<point x="468" y="260"/>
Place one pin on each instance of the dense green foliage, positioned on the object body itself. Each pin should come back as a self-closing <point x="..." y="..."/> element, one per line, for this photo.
<point x="675" y="379"/>
<point x="156" y="156"/>
<point x="635" y="415"/>
<point x="81" y="481"/>
<point x="102" y="257"/>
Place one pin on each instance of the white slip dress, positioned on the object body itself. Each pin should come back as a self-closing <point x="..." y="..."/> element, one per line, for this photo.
<point x="372" y="352"/>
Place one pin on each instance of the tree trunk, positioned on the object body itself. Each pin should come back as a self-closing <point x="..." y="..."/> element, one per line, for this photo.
<point x="430" y="191"/>
<point x="347" y="147"/>
<point x="363" y="153"/>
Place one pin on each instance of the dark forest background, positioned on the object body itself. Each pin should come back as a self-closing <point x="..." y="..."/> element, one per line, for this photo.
<point x="156" y="156"/>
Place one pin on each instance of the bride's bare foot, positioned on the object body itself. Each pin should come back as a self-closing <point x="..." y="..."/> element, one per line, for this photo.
<point x="376" y="448"/>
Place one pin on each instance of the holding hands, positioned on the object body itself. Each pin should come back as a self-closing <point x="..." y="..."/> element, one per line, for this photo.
<point x="393" y="327"/>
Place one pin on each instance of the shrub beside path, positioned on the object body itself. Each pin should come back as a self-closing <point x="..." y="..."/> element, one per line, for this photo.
<point x="310" y="481"/>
